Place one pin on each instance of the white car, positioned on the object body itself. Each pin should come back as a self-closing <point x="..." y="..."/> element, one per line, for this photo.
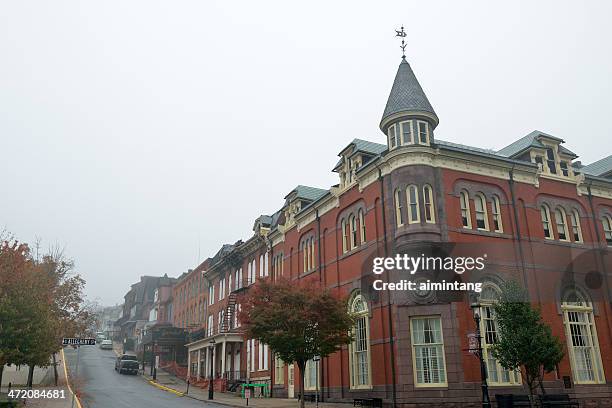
<point x="106" y="345"/>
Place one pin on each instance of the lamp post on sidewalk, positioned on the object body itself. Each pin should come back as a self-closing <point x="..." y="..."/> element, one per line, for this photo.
<point x="211" y="384"/>
<point x="486" y="402"/>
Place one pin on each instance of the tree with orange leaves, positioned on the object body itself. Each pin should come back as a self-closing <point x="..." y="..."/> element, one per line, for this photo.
<point x="297" y="321"/>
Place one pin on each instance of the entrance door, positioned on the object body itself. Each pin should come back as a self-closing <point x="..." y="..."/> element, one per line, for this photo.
<point x="291" y="387"/>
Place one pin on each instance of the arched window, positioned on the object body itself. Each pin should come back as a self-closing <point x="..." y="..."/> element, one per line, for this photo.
<point x="607" y="227"/>
<point x="359" y="349"/>
<point x="545" y="215"/>
<point x="466" y="218"/>
<point x="399" y="218"/>
<point x="480" y="205"/>
<point x="497" y="219"/>
<point x="412" y="198"/>
<point x="344" y="236"/>
<point x="362" y="227"/>
<point x="581" y="338"/>
<point x="353" y="225"/>
<point x="489" y="331"/>
<point x="303" y="249"/>
<point x="576" y="228"/>
<point x="430" y="215"/>
<point x="312" y="253"/>
<point x="561" y="224"/>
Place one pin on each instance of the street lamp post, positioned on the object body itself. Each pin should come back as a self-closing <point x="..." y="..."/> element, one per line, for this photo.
<point x="486" y="402"/>
<point x="211" y="384"/>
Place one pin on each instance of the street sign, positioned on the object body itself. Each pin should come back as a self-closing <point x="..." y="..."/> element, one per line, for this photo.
<point x="472" y="342"/>
<point x="76" y="341"/>
<point x="247" y="393"/>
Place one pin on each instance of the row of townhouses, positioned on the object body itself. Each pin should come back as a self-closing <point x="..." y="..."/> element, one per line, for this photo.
<point x="537" y="215"/>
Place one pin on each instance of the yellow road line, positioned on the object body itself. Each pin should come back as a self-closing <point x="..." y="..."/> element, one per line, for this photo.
<point x="172" y="390"/>
<point x="76" y="398"/>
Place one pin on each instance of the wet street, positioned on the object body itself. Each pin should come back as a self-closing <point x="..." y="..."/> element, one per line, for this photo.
<point x="102" y="387"/>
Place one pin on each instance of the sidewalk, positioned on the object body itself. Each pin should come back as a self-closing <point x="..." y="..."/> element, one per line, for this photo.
<point x="62" y="385"/>
<point x="177" y="385"/>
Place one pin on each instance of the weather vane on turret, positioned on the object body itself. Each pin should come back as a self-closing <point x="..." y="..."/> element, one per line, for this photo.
<point x="401" y="33"/>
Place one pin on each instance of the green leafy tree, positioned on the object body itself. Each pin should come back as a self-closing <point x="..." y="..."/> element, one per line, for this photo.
<point x="297" y="321"/>
<point x="525" y="343"/>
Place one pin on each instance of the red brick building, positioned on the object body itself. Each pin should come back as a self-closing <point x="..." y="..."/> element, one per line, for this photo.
<point x="536" y="214"/>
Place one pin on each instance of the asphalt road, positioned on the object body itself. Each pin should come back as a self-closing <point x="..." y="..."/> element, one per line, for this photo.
<point x="102" y="387"/>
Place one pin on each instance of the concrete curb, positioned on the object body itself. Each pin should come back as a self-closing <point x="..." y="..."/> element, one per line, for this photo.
<point x="182" y="394"/>
<point x="76" y="398"/>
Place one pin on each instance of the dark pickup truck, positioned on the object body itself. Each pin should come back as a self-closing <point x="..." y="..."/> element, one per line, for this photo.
<point x="127" y="363"/>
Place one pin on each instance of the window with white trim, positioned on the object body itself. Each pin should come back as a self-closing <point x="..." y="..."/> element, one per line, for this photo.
<point x="211" y="294"/>
<point x="279" y="370"/>
<point x="428" y="359"/>
<point x="344" y="236"/>
<point x="399" y="217"/>
<point x="310" y="375"/>
<point x="353" y="226"/>
<point x="480" y="207"/>
<point x="423" y="132"/>
<point x="312" y="253"/>
<point x="238" y="275"/>
<point x="489" y="330"/>
<point x="606" y="222"/>
<point x="551" y="161"/>
<point x="266" y="264"/>
<point x="362" y="227"/>
<point x="406" y="132"/>
<point x="359" y="349"/>
<point x="221" y="288"/>
<point x="211" y="325"/>
<point x="496" y="212"/>
<point x="261" y="265"/>
<point x="576" y="228"/>
<point x="412" y="198"/>
<point x="546" y="225"/>
<point x="581" y="339"/>
<point x="561" y="224"/>
<point x="392" y="136"/>
<point x="466" y="217"/>
<point x="430" y="214"/>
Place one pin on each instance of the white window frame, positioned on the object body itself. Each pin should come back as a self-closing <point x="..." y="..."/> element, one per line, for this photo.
<point x="413" y="205"/>
<point x="489" y="331"/>
<point x="418" y="131"/>
<point x="399" y="217"/>
<point x="561" y="224"/>
<point x="309" y="384"/>
<point x="546" y="220"/>
<point x="428" y="202"/>
<point x="402" y="133"/>
<point x="211" y="294"/>
<point x="359" y="308"/>
<point x="353" y="231"/>
<point x="344" y="236"/>
<point x="587" y="332"/>
<point x="439" y="345"/>
<point x="606" y="224"/>
<point x="496" y="213"/>
<point x="576" y="227"/>
<point x="279" y="370"/>
<point x="464" y="203"/>
<point x="479" y="198"/>
<point x="362" y="226"/>
<point x="392" y="139"/>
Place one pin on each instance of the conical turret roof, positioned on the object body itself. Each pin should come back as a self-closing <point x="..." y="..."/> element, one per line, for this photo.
<point x="407" y="95"/>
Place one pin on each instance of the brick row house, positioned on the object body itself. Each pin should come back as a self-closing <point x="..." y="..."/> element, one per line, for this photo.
<point x="536" y="214"/>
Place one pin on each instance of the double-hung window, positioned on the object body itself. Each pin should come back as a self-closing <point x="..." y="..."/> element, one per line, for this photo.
<point x="429" y="364"/>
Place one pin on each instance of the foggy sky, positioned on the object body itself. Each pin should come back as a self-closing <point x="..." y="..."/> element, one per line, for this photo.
<point x="139" y="134"/>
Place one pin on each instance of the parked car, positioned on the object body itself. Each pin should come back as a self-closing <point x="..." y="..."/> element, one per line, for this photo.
<point x="106" y="345"/>
<point x="127" y="363"/>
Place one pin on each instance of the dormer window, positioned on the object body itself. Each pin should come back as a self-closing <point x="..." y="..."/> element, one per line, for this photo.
<point x="564" y="168"/>
<point x="550" y="161"/>
<point x="423" y="131"/>
<point x="392" y="136"/>
<point x="406" y="132"/>
<point x="539" y="161"/>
